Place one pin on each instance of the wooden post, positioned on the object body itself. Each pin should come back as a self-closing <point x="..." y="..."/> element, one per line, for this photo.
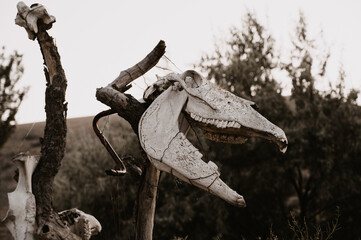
<point x="146" y="203"/>
<point x="130" y="109"/>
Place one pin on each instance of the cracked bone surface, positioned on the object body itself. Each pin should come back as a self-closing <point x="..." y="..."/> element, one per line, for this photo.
<point x="28" y="18"/>
<point x="80" y="223"/>
<point x="223" y="117"/>
<point x="20" y="218"/>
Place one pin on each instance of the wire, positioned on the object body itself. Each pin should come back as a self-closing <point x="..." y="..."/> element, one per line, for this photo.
<point x="172" y="63"/>
<point x="26" y="135"/>
<point x="138" y="86"/>
<point x="145" y="81"/>
<point x="163" y="68"/>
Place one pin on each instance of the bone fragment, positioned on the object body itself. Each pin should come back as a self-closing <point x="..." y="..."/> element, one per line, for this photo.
<point x="80" y="223"/>
<point x="20" y="218"/>
<point x="28" y="18"/>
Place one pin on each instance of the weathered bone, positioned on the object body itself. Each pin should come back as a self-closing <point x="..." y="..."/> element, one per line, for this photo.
<point x="222" y="116"/>
<point x="20" y="218"/>
<point x="29" y="17"/>
<point x="81" y="224"/>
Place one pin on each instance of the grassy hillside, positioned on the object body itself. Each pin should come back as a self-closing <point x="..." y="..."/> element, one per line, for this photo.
<point x="26" y="138"/>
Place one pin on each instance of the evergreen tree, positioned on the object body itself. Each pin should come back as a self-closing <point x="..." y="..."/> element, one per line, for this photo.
<point x="254" y="168"/>
<point x="320" y="170"/>
<point x="324" y="138"/>
<point x="246" y="62"/>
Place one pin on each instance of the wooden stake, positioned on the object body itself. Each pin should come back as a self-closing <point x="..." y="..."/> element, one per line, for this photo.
<point x="130" y="109"/>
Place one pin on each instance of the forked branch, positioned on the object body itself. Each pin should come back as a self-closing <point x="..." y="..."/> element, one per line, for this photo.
<point x="124" y="104"/>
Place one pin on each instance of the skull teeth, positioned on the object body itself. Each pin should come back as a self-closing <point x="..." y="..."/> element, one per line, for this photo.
<point x="225" y="138"/>
<point x="216" y="122"/>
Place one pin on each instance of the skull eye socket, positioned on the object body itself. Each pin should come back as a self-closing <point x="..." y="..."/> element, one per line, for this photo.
<point x="34" y="5"/>
<point x="192" y="79"/>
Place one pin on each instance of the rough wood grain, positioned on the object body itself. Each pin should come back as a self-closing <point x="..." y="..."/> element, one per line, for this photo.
<point x="146" y="203"/>
<point x="36" y="20"/>
<point x="127" y="76"/>
<point x="53" y="142"/>
<point x="124" y="104"/>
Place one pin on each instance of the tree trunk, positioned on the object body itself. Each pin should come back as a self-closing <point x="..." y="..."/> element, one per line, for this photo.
<point x="52" y="144"/>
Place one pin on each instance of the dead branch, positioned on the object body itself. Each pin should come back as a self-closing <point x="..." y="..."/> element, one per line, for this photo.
<point x="36" y="20"/>
<point x="53" y="142"/>
<point x="130" y="109"/>
<point x="127" y="76"/>
<point x="124" y="104"/>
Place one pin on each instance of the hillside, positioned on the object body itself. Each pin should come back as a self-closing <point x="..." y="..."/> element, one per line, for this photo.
<point x="26" y="139"/>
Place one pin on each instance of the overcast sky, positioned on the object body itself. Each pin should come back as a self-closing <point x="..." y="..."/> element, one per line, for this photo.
<point x="98" y="39"/>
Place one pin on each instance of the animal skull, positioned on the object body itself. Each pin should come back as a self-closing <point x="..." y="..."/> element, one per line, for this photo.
<point x="80" y="223"/>
<point x="222" y="116"/>
<point x="20" y="218"/>
<point x="29" y="17"/>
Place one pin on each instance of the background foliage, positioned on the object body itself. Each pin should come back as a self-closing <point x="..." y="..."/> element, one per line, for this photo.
<point x="320" y="170"/>
<point x="10" y="97"/>
<point x="292" y="196"/>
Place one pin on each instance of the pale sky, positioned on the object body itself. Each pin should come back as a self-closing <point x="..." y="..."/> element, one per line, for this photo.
<point x="98" y="39"/>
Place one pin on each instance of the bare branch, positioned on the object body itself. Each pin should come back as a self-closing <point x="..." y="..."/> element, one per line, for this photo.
<point x="127" y="76"/>
<point x="126" y="105"/>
